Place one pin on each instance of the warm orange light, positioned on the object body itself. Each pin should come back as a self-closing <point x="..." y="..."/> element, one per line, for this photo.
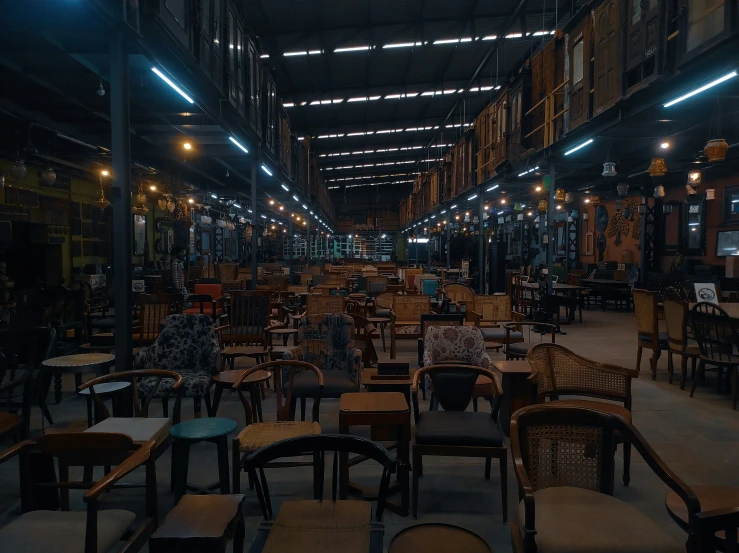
<point x="538" y="188"/>
<point x="502" y="201"/>
<point x="153" y="188"/>
<point x="271" y="202"/>
<point x="282" y="207"/>
<point x="187" y="146"/>
<point x="191" y="201"/>
<point x="104" y="173"/>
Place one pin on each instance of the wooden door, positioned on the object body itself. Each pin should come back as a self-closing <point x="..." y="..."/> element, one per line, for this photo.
<point x="218" y="43"/>
<point x="642" y="31"/>
<point x="254" y="87"/>
<point x="233" y="89"/>
<point x="607" y="81"/>
<point x="205" y="38"/>
<point x="240" y="68"/>
<point x="500" y="137"/>
<point x="580" y="51"/>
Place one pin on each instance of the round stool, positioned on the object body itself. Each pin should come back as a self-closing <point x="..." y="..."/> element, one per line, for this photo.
<point x="103" y="391"/>
<point x="184" y="434"/>
<point x="437" y="538"/>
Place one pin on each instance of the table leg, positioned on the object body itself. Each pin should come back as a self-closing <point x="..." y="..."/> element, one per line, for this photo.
<point x="382" y="333"/>
<point x="217" y="398"/>
<point x="343" y="465"/>
<point x="403" y="469"/>
<point x="180" y="461"/>
<point x="222" y="447"/>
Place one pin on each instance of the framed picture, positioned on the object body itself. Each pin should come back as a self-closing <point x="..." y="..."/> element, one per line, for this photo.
<point x="731" y="204"/>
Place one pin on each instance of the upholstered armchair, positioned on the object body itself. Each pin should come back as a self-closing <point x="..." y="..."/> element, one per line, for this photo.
<point x="188" y="345"/>
<point x="327" y="342"/>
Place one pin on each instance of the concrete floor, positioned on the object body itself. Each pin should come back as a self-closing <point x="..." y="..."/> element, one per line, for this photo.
<point x="698" y="438"/>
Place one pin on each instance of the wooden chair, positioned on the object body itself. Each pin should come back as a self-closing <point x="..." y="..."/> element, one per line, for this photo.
<point x="454" y="431"/>
<point x="207" y="300"/>
<point x="153" y="309"/>
<point x="279" y="281"/>
<point x="96" y="529"/>
<point x="563" y="456"/>
<point x="375" y="285"/>
<point x="366" y="332"/>
<point x="384" y="304"/>
<point x="647" y="324"/>
<point x="459" y="294"/>
<point x="520" y="349"/>
<point x="257" y="435"/>
<point x="227" y="271"/>
<point x="676" y="319"/>
<point x="333" y="524"/>
<point x="488" y="312"/>
<point x="558" y="371"/>
<point x="246" y="332"/>
<point x="406" y="314"/>
<point x="717" y="335"/>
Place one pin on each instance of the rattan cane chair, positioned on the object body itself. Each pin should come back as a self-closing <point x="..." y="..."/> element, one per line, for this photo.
<point x="257" y="435"/>
<point x="406" y="318"/>
<point x="647" y="323"/>
<point x="488" y="312"/>
<point x="459" y="294"/>
<point x="560" y="372"/>
<point x="563" y="456"/>
<point x="153" y="309"/>
<point x="384" y="304"/>
<point x="455" y="432"/>
<point x="676" y="320"/>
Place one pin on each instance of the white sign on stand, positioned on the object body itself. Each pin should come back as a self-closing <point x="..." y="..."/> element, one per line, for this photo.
<point x="138" y="286"/>
<point x="706" y="291"/>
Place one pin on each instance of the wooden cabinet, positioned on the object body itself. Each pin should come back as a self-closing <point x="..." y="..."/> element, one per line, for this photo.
<point x="176" y="17"/>
<point x="519" y="93"/>
<point x="705" y="24"/>
<point x="645" y="39"/>
<point x="607" y="66"/>
<point x="484" y="125"/>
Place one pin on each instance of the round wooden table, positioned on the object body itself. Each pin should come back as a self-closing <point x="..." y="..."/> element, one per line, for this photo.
<point x="495" y="346"/>
<point x="711" y="498"/>
<point x="437" y="538"/>
<point x="382" y="322"/>
<point x="230" y="353"/>
<point x="80" y="363"/>
<point x="226" y="380"/>
<point x="103" y="391"/>
<point x="285" y="333"/>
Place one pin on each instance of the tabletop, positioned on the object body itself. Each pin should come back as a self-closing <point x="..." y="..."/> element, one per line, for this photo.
<point x="203" y="429"/>
<point x="557" y="286"/>
<point x="230" y="377"/>
<point x="373" y="402"/>
<point x="606" y="281"/>
<point x="512" y="367"/>
<point x="81" y="362"/>
<point x="369" y="378"/>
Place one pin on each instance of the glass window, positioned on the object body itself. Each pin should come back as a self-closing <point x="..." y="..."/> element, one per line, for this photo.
<point x="578" y="51"/>
<point x="635" y="11"/>
<point x="705" y="21"/>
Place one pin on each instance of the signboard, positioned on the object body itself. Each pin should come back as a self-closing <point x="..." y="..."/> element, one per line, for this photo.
<point x="706" y="291"/>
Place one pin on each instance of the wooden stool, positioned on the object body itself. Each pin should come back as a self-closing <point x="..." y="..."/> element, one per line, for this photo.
<point x="387" y="413"/>
<point x="437" y="538"/>
<point x="185" y="434"/>
<point x="201" y="524"/>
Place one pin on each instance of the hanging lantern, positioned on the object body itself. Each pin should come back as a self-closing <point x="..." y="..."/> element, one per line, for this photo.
<point x="595" y="200"/>
<point x="710" y="194"/>
<point x="242" y="220"/>
<point x="48" y="176"/>
<point x="19" y="169"/>
<point x="659" y="191"/>
<point x="694" y="178"/>
<point x="622" y="189"/>
<point x="205" y="219"/>
<point x="715" y="149"/>
<point x="220" y="223"/>
<point x="559" y="196"/>
<point x="134" y="210"/>
<point x="609" y="169"/>
<point x="657" y="168"/>
<point x="141" y="198"/>
<point x="569" y="197"/>
<point x="171" y="205"/>
<point x="543" y="206"/>
<point x="162" y="204"/>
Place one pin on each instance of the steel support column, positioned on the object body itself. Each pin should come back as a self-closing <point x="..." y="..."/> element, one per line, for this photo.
<point x="481" y="246"/>
<point x="120" y="119"/>
<point x="290" y="246"/>
<point x="551" y="226"/>
<point x="254" y="228"/>
<point x="448" y="243"/>
<point x="307" y="240"/>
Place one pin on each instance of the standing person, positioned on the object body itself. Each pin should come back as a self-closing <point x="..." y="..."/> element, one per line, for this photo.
<point x="178" y="271"/>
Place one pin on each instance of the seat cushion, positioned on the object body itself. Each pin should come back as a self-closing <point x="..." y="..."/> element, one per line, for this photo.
<point x="258" y="435"/>
<point x="612" y="525"/>
<point x="140" y="429"/>
<point x="498" y="334"/>
<point x="647" y="339"/>
<point x="62" y="531"/>
<point x="335" y="383"/>
<point x="457" y="428"/>
<point x="521" y="348"/>
<point x="382" y="312"/>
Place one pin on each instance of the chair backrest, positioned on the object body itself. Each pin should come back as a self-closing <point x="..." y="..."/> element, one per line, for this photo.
<point x="250" y="311"/>
<point x="212" y="290"/>
<point x="645" y="306"/>
<point x="298" y="288"/>
<point x="574" y="280"/>
<point x="676" y="319"/>
<point x="306" y="277"/>
<point x="315" y="304"/>
<point x="559" y="371"/>
<point x="410" y="308"/>
<point x="186" y="341"/>
<point x="280" y="282"/>
<point x="384" y="300"/>
<point x="317" y="446"/>
<point x="463" y="344"/>
<point x="440" y="320"/>
<point x="375" y="285"/>
<point x="453" y="386"/>
<point x="493" y="308"/>
<point x="194" y="272"/>
<point x="326" y="339"/>
<point x="154" y="308"/>
<point x="457" y="293"/>
<point x="227" y="271"/>
<point x="717" y="334"/>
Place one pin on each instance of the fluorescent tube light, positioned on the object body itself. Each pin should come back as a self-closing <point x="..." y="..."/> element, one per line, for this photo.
<point x="492" y="187"/>
<point x="171" y="83"/>
<point x="701" y="89"/>
<point x="285" y="188"/>
<point x="266" y="170"/>
<point x="579" y="147"/>
<point x="239" y="144"/>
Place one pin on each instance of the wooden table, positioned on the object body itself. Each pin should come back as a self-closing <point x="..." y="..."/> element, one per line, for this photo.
<point x="711" y="498"/>
<point x="376" y="383"/>
<point x="605" y="287"/>
<point x="226" y="379"/>
<point x="518" y="390"/>
<point x="569" y="290"/>
<point x="285" y="333"/>
<point x="384" y="412"/>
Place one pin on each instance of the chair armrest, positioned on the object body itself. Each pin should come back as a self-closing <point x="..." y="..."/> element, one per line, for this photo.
<point x="293" y="354"/>
<point x="473" y="317"/>
<point x="16" y="450"/>
<point x="131" y="463"/>
<point x="14" y="383"/>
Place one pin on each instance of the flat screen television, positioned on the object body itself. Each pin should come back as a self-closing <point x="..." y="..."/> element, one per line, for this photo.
<point x="727" y="243"/>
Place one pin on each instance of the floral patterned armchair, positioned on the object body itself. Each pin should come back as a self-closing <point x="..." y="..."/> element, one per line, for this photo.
<point x="326" y="341"/>
<point x="188" y="345"/>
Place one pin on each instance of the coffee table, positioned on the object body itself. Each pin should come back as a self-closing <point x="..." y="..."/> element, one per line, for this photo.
<point x="285" y="333"/>
<point x="374" y="382"/>
<point x="518" y="390"/>
<point x="184" y="434"/>
<point x="226" y="379"/>
<point x="386" y="412"/>
<point x="437" y="537"/>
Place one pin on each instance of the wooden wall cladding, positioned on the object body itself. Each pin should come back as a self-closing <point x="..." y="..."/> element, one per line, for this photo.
<point x="607" y="52"/>
<point x="580" y="53"/>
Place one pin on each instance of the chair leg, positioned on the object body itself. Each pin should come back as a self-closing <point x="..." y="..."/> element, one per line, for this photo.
<point x="416" y="474"/>
<point x="638" y="359"/>
<point x="670" y="367"/>
<point x="302" y="409"/>
<point x="503" y="460"/>
<point x="239" y="536"/>
<point x="474" y="404"/>
<point x="197" y="406"/>
<point x="488" y="463"/>
<point x="733" y="387"/>
<point x="653" y="362"/>
<point x="701" y="372"/>
<point x="165" y="407"/>
<point x="684" y="371"/>
<point x="627" y="463"/>
<point x="235" y="468"/>
<point x="208" y="404"/>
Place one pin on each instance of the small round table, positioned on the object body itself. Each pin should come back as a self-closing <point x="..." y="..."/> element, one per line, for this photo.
<point x="226" y="379"/>
<point x="103" y="391"/>
<point x="382" y="322"/>
<point x="230" y="353"/>
<point x="80" y="363"/>
<point x="184" y="434"/>
<point x="437" y="538"/>
<point x="711" y="498"/>
<point x="285" y="333"/>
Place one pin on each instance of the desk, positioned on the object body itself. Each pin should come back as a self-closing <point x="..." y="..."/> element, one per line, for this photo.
<point x="518" y="390"/>
<point x="383" y="411"/>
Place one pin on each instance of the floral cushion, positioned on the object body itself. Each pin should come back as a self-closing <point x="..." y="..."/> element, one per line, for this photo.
<point x="326" y="341"/>
<point x="187" y="345"/>
<point x="455" y="343"/>
<point x="411" y="329"/>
